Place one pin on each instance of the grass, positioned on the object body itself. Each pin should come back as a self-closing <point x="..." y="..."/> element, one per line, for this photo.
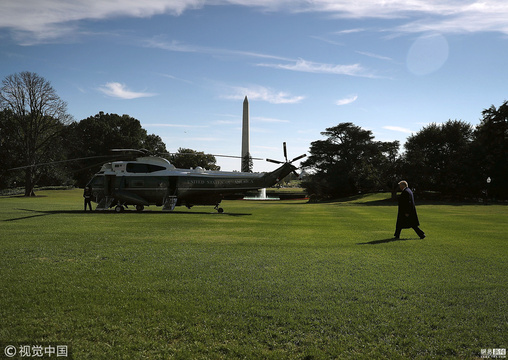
<point x="264" y="280"/>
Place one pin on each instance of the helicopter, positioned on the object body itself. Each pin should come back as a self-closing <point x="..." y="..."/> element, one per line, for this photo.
<point x="153" y="180"/>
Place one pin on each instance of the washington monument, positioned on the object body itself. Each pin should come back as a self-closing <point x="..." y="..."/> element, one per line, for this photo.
<point x="246" y="162"/>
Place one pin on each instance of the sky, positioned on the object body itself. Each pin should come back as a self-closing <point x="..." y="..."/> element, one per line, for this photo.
<point x="184" y="67"/>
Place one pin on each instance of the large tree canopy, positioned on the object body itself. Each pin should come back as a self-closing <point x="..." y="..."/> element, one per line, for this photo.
<point x="34" y="116"/>
<point x="438" y="157"/>
<point x="348" y="161"/>
<point x="490" y="150"/>
<point x="96" y="136"/>
<point x="188" y="158"/>
<point x="154" y="145"/>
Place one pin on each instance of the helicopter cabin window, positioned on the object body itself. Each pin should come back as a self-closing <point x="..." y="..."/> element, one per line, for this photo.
<point x="143" y="168"/>
<point x="119" y="167"/>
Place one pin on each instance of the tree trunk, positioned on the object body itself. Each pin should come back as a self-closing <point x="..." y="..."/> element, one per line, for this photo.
<point x="29" y="183"/>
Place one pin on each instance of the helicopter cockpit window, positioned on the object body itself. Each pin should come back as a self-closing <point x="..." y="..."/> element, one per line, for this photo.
<point x="97" y="181"/>
<point x="143" y="168"/>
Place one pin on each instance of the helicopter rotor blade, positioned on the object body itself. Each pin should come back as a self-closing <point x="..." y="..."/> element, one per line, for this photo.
<point x="136" y="151"/>
<point x="60" y="162"/>
<point x="285" y="151"/>
<point x="275" y="161"/>
<point x="298" y="158"/>
<point x="216" y="155"/>
<point x="234" y="157"/>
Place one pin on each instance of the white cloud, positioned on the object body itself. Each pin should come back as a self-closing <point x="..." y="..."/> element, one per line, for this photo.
<point x="347" y="100"/>
<point x="35" y="21"/>
<point x="261" y="93"/>
<point x="463" y="17"/>
<point x="47" y="17"/>
<point x="175" y="78"/>
<point x="115" y="89"/>
<point x="299" y="65"/>
<point x="398" y="129"/>
<point x="444" y="16"/>
<point x="349" y="31"/>
<point x="375" y="56"/>
<point x="177" y="46"/>
<point x="320" y="68"/>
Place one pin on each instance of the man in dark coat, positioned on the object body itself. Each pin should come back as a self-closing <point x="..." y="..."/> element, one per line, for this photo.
<point x="407" y="216"/>
<point x="87" y="194"/>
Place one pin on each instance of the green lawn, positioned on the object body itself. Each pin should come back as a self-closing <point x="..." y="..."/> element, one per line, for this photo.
<point x="264" y="280"/>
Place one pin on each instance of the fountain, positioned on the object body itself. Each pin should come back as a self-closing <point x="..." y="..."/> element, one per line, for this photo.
<point x="261" y="196"/>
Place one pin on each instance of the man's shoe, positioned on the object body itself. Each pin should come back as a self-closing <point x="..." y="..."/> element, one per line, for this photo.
<point x="422" y="237"/>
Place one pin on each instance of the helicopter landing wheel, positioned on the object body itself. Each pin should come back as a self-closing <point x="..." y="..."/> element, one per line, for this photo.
<point x="219" y="209"/>
<point x="119" y="208"/>
<point x="140" y="207"/>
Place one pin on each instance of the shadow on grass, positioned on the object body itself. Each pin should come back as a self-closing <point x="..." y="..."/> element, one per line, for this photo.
<point x="38" y="213"/>
<point x="13" y="196"/>
<point x="384" y="241"/>
<point x="365" y="200"/>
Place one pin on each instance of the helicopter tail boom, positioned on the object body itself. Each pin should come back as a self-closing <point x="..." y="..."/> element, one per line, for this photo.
<point x="271" y="178"/>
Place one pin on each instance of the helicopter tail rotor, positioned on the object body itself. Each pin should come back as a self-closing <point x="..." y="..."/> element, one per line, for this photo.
<point x="284" y="148"/>
<point x="286" y="157"/>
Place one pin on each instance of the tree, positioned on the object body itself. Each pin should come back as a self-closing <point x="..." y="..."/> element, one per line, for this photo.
<point x="247" y="164"/>
<point x="97" y="135"/>
<point x="390" y="166"/>
<point x="154" y="144"/>
<point x="437" y="158"/>
<point x="37" y="117"/>
<point x="348" y="161"/>
<point x="490" y="150"/>
<point x="188" y="158"/>
<point x="9" y="148"/>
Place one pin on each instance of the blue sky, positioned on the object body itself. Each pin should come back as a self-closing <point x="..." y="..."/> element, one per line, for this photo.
<point x="184" y="67"/>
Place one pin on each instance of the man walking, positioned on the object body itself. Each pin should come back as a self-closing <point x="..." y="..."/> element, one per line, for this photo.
<point x="407" y="216"/>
